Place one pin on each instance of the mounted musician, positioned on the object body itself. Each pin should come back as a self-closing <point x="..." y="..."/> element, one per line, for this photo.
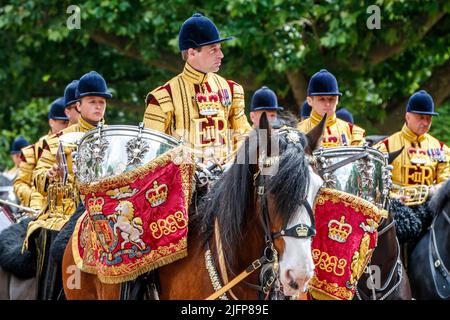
<point x="264" y="100"/>
<point x="419" y="171"/>
<point x="198" y="106"/>
<point x="23" y="185"/>
<point x="424" y="161"/>
<point x="16" y="146"/>
<point x="323" y="97"/>
<point x="57" y="184"/>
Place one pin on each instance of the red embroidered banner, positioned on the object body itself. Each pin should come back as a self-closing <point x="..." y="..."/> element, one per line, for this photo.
<point x="346" y="236"/>
<point x="137" y="221"/>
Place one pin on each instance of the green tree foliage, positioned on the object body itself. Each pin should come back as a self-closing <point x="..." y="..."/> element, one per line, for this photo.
<point x="279" y="43"/>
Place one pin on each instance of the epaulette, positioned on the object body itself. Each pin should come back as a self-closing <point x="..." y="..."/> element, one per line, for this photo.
<point x="386" y="143"/>
<point x="27" y="154"/>
<point x="53" y="142"/>
<point x="235" y="88"/>
<point x="163" y="96"/>
<point x="151" y="95"/>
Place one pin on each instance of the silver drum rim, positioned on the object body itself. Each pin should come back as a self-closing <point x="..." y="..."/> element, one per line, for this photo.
<point x="88" y="174"/>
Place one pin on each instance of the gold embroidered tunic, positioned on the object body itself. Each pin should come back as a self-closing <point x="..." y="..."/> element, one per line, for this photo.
<point x="423" y="161"/>
<point x="23" y="185"/>
<point x="205" y="110"/>
<point x="337" y="132"/>
<point x="49" y="219"/>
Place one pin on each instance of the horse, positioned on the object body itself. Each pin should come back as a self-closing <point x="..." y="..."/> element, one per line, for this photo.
<point x="391" y="281"/>
<point x="256" y="217"/>
<point x="17" y="270"/>
<point x="429" y="261"/>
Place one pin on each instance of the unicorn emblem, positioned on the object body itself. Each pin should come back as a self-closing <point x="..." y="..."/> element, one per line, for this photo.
<point x="130" y="227"/>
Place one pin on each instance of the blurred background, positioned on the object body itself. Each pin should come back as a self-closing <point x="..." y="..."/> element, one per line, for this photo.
<point x="380" y="51"/>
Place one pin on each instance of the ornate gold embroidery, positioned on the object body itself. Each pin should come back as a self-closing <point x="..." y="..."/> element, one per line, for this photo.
<point x="358" y="204"/>
<point x="339" y="230"/>
<point x="168" y="225"/>
<point x="329" y="263"/>
<point x="329" y="289"/>
<point x="360" y="259"/>
<point x="157" y="195"/>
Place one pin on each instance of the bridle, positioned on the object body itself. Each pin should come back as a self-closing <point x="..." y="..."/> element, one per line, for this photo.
<point x="437" y="267"/>
<point x="269" y="258"/>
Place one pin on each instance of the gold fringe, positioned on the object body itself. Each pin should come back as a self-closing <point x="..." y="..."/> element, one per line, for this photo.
<point x="357" y="203"/>
<point x="133" y="275"/>
<point x="75" y="253"/>
<point x="321" y="295"/>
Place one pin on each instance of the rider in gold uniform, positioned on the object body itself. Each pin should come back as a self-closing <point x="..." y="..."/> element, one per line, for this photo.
<point x="264" y="100"/>
<point x="424" y="159"/>
<point x="17" y="145"/>
<point x="418" y="171"/>
<point x="323" y="97"/>
<point x="23" y="185"/>
<point x="92" y="93"/>
<point x="199" y="106"/>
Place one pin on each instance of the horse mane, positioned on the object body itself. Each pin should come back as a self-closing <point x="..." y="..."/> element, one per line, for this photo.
<point x="232" y="196"/>
<point x="441" y="197"/>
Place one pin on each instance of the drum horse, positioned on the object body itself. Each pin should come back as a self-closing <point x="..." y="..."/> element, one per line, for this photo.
<point x="364" y="172"/>
<point x="429" y="261"/>
<point x="262" y="208"/>
<point x="17" y="270"/>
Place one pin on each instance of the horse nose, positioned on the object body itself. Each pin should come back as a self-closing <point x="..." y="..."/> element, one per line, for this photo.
<point x="298" y="281"/>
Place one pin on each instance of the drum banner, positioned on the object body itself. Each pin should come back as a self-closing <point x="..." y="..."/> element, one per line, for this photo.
<point x="137" y="221"/>
<point x="346" y="235"/>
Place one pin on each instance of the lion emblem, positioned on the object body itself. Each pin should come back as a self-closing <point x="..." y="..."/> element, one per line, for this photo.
<point x="130" y="227"/>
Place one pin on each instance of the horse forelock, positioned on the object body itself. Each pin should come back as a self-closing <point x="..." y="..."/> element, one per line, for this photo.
<point x="289" y="185"/>
<point x="441" y="198"/>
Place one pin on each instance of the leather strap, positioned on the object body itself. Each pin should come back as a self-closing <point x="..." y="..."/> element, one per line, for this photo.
<point x="344" y="162"/>
<point x="441" y="275"/>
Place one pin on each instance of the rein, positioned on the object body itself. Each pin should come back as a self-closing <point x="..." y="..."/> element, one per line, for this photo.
<point x="437" y="263"/>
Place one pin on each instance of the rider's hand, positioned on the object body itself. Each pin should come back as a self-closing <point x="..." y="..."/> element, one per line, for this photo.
<point x="52" y="174"/>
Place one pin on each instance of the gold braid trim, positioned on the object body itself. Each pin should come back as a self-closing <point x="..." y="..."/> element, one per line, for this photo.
<point x="160" y="256"/>
<point x="323" y="290"/>
<point x="157" y="258"/>
<point x="103" y="185"/>
<point x="357" y="203"/>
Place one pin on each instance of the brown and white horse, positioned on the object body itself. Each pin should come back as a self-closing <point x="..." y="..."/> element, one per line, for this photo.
<point x="257" y="212"/>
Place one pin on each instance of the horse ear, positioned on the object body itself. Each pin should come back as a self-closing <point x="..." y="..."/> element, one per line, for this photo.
<point x="394" y="154"/>
<point x="315" y="135"/>
<point x="264" y="126"/>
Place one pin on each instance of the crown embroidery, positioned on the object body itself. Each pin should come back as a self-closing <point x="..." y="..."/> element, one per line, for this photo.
<point x="208" y="103"/>
<point x="339" y="230"/>
<point x="95" y="204"/>
<point x="330" y="141"/>
<point x="417" y="156"/>
<point x="157" y="195"/>
<point x="302" y="231"/>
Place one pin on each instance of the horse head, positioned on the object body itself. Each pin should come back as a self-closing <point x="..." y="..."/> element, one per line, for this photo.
<point x="262" y="206"/>
<point x="293" y="190"/>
